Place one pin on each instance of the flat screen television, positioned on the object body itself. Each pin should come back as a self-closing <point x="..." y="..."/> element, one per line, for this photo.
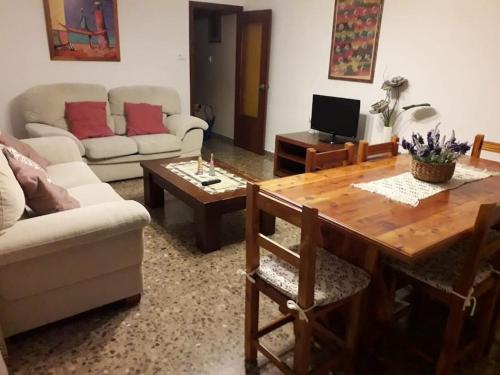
<point x="336" y="116"/>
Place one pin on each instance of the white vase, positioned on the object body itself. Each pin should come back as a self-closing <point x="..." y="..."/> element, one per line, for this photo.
<point x="386" y="133"/>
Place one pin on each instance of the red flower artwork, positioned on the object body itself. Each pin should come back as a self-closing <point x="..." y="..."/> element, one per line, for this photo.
<point x="356" y="29"/>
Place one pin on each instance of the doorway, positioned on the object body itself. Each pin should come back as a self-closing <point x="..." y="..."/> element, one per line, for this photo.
<point x="229" y="65"/>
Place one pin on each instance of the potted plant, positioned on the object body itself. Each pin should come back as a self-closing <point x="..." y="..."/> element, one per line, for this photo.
<point x="434" y="158"/>
<point x="388" y="107"/>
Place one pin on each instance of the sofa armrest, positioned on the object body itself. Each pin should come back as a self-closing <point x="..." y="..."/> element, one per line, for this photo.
<point x="36" y="130"/>
<point x="41" y="235"/>
<point x="179" y="125"/>
<point x="56" y="150"/>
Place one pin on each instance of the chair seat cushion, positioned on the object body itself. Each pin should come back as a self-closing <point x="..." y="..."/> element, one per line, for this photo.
<point x="109" y="147"/>
<point x="336" y="279"/>
<point x="156" y="143"/>
<point x="442" y="270"/>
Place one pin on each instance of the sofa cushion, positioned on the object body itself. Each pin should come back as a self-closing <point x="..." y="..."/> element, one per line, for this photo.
<point x="45" y="104"/>
<point x="24" y="149"/>
<point x="144" y="119"/>
<point x="42" y="196"/>
<point x="87" y="119"/>
<point x="167" y="97"/>
<point x="12" y="201"/>
<point x="69" y="175"/>
<point x="90" y="195"/>
<point x="109" y="147"/>
<point x="156" y="143"/>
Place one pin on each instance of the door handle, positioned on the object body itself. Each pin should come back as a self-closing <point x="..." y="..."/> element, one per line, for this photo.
<point x="263" y="86"/>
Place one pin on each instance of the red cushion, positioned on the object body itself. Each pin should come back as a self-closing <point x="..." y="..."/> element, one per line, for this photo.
<point x="42" y="196"/>
<point x="87" y="119"/>
<point x="144" y="119"/>
<point x="24" y="149"/>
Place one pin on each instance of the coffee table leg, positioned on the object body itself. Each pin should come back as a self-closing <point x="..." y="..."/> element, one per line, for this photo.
<point x="267" y="223"/>
<point x="153" y="194"/>
<point x="207" y="226"/>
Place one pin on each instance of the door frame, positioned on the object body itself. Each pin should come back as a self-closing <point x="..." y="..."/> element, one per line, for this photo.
<point x="198" y="5"/>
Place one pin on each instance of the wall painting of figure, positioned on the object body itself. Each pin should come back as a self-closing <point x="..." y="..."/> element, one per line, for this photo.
<point x="82" y="29"/>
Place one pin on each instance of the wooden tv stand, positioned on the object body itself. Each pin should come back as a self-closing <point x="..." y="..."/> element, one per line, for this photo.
<point x="290" y="151"/>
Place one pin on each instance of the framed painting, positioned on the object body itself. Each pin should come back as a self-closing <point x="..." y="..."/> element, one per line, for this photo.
<point x="356" y="29"/>
<point x="82" y="29"/>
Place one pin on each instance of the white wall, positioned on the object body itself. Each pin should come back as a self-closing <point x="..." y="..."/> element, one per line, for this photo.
<point x="448" y="49"/>
<point x="215" y="78"/>
<point x="154" y="37"/>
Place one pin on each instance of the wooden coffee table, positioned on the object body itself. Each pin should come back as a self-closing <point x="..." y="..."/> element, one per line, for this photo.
<point x="208" y="208"/>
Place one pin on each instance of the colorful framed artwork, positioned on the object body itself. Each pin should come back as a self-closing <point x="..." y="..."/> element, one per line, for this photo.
<point x="82" y="29"/>
<point x="356" y="29"/>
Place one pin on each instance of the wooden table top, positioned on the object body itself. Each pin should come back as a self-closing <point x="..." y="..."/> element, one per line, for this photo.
<point x="157" y="167"/>
<point x="399" y="230"/>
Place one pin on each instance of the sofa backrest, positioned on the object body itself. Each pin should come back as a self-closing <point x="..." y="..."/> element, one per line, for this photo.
<point x="45" y="104"/>
<point x="12" y="201"/>
<point x="167" y="97"/>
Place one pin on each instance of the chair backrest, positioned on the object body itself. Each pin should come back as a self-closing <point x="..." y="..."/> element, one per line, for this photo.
<point x="305" y="218"/>
<point x="480" y="246"/>
<point x="480" y="144"/>
<point x="329" y="159"/>
<point x="387" y="149"/>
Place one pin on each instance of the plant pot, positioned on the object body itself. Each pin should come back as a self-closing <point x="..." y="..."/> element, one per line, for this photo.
<point x="432" y="172"/>
<point x="386" y="134"/>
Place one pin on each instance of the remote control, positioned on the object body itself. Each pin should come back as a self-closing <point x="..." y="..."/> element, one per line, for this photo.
<point x="210" y="182"/>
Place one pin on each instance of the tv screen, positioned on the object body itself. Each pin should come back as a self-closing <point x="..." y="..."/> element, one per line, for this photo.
<point x="337" y="116"/>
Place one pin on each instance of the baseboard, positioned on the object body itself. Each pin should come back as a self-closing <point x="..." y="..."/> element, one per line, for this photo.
<point x="228" y="140"/>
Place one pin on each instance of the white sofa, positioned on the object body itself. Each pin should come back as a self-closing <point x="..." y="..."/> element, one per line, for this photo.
<point x="117" y="157"/>
<point x="58" y="265"/>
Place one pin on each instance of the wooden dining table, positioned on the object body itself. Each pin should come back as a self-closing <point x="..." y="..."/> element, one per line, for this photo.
<point x="380" y="224"/>
<point x="361" y="226"/>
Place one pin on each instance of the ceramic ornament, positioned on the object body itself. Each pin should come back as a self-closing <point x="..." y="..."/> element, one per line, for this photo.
<point x="199" y="171"/>
<point x="212" y="165"/>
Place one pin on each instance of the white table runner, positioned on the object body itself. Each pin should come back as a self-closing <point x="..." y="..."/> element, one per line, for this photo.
<point x="407" y="189"/>
<point x="187" y="170"/>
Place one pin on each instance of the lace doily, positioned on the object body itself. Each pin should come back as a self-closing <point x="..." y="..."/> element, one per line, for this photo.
<point x="407" y="189"/>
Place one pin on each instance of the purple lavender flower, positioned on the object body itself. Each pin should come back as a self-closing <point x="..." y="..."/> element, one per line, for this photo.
<point x="437" y="149"/>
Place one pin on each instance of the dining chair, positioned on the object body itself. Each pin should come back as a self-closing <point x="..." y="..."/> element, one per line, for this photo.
<point x="461" y="277"/>
<point x="367" y="151"/>
<point x="480" y="144"/>
<point x="322" y="160"/>
<point x="306" y="282"/>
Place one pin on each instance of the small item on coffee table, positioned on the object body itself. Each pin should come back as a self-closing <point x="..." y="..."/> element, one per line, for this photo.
<point x="200" y="166"/>
<point x="211" y="182"/>
<point x="212" y="166"/>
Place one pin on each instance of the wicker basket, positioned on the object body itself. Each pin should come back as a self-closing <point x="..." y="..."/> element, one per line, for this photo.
<point x="430" y="172"/>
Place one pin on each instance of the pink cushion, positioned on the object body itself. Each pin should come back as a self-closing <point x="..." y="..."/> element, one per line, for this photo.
<point x="23" y="149"/>
<point x="42" y="196"/>
<point x="144" y="119"/>
<point x="88" y="119"/>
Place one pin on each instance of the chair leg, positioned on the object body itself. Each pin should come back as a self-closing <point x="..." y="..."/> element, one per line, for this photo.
<point x="251" y="323"/>
<point x="487" y="321"/>
<point x="302" y="356"/>
<point x="352" y="333"/>
<point x="494" y="322"/>
<point x="451" y="338"/>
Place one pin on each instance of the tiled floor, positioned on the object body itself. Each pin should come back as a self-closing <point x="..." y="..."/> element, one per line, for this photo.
<point x="190" y="319"/>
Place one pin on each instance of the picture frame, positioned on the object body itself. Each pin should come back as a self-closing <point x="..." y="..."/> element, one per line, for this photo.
<point x="82" y="30"/>
<point x="355" y="36"/>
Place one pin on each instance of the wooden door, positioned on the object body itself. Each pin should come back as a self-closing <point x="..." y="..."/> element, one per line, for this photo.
<point x="252" y="77"/>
